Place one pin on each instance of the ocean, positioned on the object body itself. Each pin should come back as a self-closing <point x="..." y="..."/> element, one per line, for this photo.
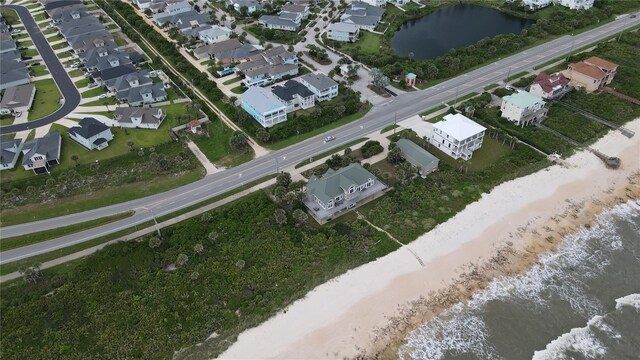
<point x="580" y="302"/>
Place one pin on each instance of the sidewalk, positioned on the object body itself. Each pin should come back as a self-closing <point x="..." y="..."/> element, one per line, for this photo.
<point x="211" y="169"/>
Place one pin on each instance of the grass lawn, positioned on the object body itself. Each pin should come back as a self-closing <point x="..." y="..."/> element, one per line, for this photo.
<point x="55" y="38"/>
<point x="10" y="16"/>
<point x="112" y="26"/>
<point x="233" y="80"/>
<point x="29" y="52"/>
<point x="82" y="83"/>
<point x="50" y="31"/>
<point x="59" y="46"/>
<point x="76" y="73"/>
<point x="435" y="109"/>
<point x="368" y="42"/>
<point x="217" y="147"/>
<point x="39" y="70"/>
<point x="238" y="90"/>
<point x="64" y="55"/>
<point x="24" y="43"/>
<point x="119" y="39"/>
<point x="171" y="94"/>
<point x="106" y="101"/>
<point x="22" y="35"/>
<point x="94" y="92"/>
<point x="40" y="17"/>
<point x="46" y="99"/>
<point x="6" y="120"/>
<point x="33" y="6"/>
<point x="19" y="241"/>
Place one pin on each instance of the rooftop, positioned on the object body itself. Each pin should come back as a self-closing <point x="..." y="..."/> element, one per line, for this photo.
<point x="416" y="154"/>
<point x="319" y="81"/>
<point x="601" y="63"/>
<point x="261" y="99"/>
<point x="523" y="99"/>
<point x="334" y="183"/>
<point x="459" y="126"/>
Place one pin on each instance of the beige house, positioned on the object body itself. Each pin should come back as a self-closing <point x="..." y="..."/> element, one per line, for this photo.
<point x="591" y="74"/>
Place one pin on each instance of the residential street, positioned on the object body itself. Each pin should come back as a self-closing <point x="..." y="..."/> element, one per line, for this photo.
<point x="404" y="106"/>
<point x="67" y="88"/>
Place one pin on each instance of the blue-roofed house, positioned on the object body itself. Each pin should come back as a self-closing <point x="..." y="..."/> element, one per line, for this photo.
<point x="263" y="106"/>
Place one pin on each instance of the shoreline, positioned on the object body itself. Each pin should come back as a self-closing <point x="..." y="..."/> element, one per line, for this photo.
<point x="368" y="311"/>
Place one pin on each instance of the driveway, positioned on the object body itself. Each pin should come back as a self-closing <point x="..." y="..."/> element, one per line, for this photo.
<point x="67" y="88"/>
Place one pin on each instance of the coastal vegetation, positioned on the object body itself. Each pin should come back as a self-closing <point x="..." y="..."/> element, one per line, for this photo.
<point x="376" y="51"/>
<point x="220" y="273"/>
<point x="345" y="107"/>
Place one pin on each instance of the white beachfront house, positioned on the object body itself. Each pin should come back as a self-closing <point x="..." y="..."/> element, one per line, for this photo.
<point x="457" y="136"/>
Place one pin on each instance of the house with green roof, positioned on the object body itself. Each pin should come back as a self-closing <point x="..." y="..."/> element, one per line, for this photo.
<point x="523" y="108"/>
<point x="418" y="157"/>
<point x="339" y="190"/>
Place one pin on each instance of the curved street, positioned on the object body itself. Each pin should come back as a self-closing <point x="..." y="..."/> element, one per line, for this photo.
<point x="67" y="88"/>
<point x="402" y="107"/>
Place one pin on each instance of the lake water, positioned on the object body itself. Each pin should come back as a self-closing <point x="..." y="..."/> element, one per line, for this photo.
<point x="581" y="302"/>
<point x="453" y="27"/>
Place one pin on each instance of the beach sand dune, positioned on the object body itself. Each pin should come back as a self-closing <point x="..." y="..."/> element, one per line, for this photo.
<point x="367" y="311"/>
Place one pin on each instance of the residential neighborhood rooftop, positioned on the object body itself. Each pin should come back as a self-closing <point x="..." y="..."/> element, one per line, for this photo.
<point x="459" y="126"/>
<point x="523" y="99"/>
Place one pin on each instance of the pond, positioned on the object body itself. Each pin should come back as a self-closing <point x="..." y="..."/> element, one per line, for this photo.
<point x="454" y="27"/>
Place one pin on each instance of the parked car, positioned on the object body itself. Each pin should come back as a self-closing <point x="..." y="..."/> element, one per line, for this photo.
<point x="34" y="63"/>
<point x="27" y="57"/>
<point x="91" y="85"/>
<point x="75" y="65"/>
<point x="22" y="48"/>
<point x="16" y="31"/>
<point x="329" y="138"/>
<point x="509" y="87"/>
<point x="49" y="26"/>
<point x="303" y="39"/>
<point x="103" y="96"/>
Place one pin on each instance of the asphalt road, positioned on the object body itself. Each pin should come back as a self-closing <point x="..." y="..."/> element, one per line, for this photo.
<point x="67" y="88"/>
<point x="403" y="106"/>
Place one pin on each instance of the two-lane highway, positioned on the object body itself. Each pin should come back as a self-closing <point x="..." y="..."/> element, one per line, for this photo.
<point x="404" y="106"/>
<point x="67" y="88"/>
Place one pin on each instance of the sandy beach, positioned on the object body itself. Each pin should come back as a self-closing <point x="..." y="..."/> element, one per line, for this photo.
<point x="368" y="311"/>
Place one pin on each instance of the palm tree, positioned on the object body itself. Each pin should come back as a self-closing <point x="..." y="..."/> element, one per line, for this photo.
<point x="75" y="158"/>
<point x="130" y="144"/>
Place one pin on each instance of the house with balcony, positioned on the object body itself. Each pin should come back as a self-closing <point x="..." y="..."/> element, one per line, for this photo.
<point x="139" y="118"/>
<point x="576" y="4"/>
<point x="457" y="136"/>
<point x="41" y="153"/>
<point x="294" y="95"/>
<point x="268" y="66"/>
<point x="9" y="152"/>
<point x="591" y="74"/>
<point x="251" y="5"/>
<point x="363" y="15"/>
<point x="324" y="87"/>
<point x="143" y="95"/>
<point x="264" y="107"/>
<point x="550" y="87"/>
<point x="340" y="190"/>
<point x="523" y="108"/>
<point x="91" y="133"/>
<point x="343" y="32"/>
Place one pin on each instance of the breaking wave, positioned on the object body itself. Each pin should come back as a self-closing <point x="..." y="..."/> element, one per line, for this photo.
<point x="559" y="280"/>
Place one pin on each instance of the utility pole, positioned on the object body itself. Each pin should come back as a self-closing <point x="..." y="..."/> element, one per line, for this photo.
<point x="506" y="80"/>
<point x="571" y="51"/>
<point x="395" y="123"/>
<point x="455" y="101"/>
<point x="156" y="222"/>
